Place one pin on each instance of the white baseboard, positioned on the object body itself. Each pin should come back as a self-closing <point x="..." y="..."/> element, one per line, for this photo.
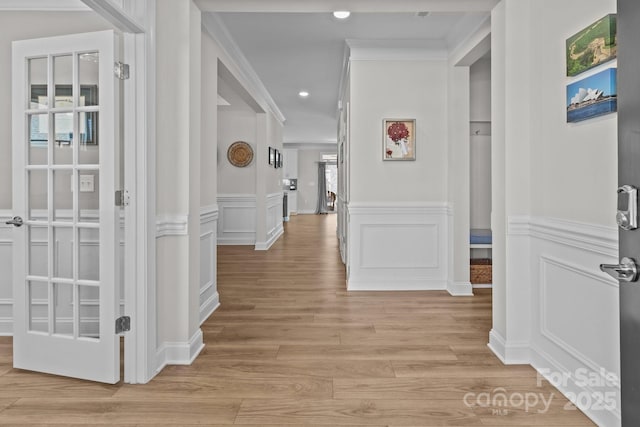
<point x="179" y="353"/>
<point x="396" y="285"/>
<point x="458" y="289"/>
<point x="482" y="286"/>
<point x="209" y="307"/>
<point x="510" y="353"/>
<point x="264" y="246"/>
<point x="583" y="394"/>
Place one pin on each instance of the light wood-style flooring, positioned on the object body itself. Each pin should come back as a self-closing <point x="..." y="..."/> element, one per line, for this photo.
<point x="290" y="347"/>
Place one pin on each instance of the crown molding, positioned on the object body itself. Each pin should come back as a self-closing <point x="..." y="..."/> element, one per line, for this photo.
<point x="115" y="15"/>
<point x="214" y="26"/>
<point x="397" y="50"/>
<point x="43" y="5"/>
<point x="352" y="5"/>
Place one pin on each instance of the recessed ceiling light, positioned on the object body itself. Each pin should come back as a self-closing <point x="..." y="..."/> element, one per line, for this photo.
<point x="303" y="94"/>
<point x="341" y="14"/>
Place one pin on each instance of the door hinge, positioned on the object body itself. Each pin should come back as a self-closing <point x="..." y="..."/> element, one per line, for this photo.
<point x="123" y="324"/>
<point x="121" y="70"/>
<point x="122" y="198"/>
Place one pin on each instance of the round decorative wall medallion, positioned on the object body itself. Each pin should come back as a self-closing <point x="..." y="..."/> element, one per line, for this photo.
<point x="240" y="154"/>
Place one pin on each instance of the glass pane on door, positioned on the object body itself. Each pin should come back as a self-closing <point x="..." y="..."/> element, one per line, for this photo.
<point x="88" y="70"/>
<point x="63" y="81"/>
<point x="38" y="93"/>
<point x="38" y="251"/>
<point x="89" y="254"/>
<point x="38" y="298"/>
<point x="89" y="196"/>
<point x="63" y="303"/>
<point x="62" y="195"/>
<point x="38" y="141"/>
<point x="63" y="141"/>
<point x="37" y="184"/>
<point x="89" y="315"/>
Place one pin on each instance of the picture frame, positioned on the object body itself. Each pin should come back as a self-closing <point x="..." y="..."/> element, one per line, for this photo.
<point x="592" y="96"/>
<point x="398" y="139"/>
<point x="276" y="158"/>
<point x="592" y="46"/>
<point x="272" y="156"/>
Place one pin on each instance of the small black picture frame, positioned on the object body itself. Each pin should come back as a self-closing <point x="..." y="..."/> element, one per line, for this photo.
<point x="277" y="159"/>
<point x="272" y="156"/>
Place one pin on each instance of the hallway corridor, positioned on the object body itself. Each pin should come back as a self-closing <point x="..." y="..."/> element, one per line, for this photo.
<point x="289" y="346"/>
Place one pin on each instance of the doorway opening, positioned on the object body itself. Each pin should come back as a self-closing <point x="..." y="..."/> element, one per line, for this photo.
<point x="480" y="236"/>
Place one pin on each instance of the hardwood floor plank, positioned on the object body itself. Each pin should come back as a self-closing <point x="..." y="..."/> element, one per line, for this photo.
<point x="166" y="411"/>
<point x="18" y="384"/>
<point x="431" y="388"/>
<point x="358" y="352"/>
<point x="366" y="412"/>
<point x="234" y="352"/>
<point x="301" y="368"/>
<point x="476" y="368"/>
<point x="202" y="387"/>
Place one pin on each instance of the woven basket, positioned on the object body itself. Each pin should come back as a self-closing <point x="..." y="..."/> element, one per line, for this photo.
<point x="481" y="271"/>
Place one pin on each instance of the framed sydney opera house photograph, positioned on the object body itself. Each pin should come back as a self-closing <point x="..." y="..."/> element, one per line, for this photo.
<point x="399" y="139"/>
<point x="592" y="96"/>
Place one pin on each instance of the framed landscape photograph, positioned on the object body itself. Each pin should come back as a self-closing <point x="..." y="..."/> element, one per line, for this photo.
<point x="593" y="96"/>
<point x="399" y="139"/>
<point x="592" y="46"/>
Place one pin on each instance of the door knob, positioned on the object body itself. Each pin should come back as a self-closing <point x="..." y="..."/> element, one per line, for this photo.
<point x="626" y="271"/>
<point x="16" y="221"/>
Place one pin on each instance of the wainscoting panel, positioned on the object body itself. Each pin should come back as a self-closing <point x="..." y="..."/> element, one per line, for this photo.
<point x="237" y="219"/>
<point x="398" y="246"/>
<point x="209" y="298"/>
<point x="343" y="223"/>
<point x="6" y="267"/>
<point x="274" y="221"/>
<point x="574" y="333"/>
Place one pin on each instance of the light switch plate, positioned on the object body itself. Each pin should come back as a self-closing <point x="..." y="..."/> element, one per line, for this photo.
<point x="86" y="184"/>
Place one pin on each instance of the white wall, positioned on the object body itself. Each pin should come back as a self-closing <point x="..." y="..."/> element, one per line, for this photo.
<point x="236" y="125"/>
<point x="480" y="144"/>
<point x="553" y="308"/>
<point x="418" y="91"/>
<point x="209" y="147"/>
<point x="480" y="90"/>
<point x="398" y="212"/>
<point x="178" y="181"/>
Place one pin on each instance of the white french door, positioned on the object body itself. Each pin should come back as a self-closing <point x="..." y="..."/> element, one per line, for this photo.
<point x="65" y="171"/>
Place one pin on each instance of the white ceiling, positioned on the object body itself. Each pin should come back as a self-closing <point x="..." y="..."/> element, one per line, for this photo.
<point x="291" y="52"/>
<point x="297" y="44"/>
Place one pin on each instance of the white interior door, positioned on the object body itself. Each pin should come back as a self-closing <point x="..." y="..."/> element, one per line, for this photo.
<point x="65" y="171"/>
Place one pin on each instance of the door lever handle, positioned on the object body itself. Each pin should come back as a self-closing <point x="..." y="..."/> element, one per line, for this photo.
<point x="16" y="221"/>
<point x="626" y="271"/>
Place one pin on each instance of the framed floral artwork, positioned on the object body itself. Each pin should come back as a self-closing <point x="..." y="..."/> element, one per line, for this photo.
<point x="399" y="139"/>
